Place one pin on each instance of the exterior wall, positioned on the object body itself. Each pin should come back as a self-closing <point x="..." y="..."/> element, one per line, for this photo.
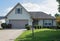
<point x="22" y="16"/>
<point x="54" y="23"/>
<point x="30" y="21"/>
<point x="7" y="20"/>
<point x="0" y="24"/>
<point x="48" y="21"/>
<point x="40" y="22"/>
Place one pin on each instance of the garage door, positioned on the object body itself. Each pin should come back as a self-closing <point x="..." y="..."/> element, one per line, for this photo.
<point x="18" y="24"/>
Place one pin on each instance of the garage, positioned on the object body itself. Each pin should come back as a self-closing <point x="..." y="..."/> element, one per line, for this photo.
<point x="18" y="24"/>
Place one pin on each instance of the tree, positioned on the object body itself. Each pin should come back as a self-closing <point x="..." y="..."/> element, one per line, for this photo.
<point x="57" y="19"/>
<point x="58" y="5"/>
<point x="57" y="15"/>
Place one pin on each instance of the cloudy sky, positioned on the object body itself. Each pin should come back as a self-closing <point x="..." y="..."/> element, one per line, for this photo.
<point x="47" y="6"/>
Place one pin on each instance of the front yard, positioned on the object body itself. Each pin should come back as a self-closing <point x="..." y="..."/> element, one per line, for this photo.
<point x="40" y="35"/>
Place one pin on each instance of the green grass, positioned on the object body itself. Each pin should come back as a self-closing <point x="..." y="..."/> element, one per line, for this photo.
<point x="40" y="35"/>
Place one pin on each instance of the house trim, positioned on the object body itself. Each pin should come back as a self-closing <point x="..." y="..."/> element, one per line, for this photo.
<point x="43" y="22"/>
<point x="44" y="18"/>
<point x="52" y="22"/>
<point x="14" y="8"/>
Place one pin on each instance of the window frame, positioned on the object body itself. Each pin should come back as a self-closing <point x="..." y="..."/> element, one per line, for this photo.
<point x="18" y="12"/>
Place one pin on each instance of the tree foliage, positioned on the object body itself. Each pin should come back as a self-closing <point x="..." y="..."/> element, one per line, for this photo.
<point x="58" y="5"/>
<point x="57" y="15"/>
<point x="58" y="1"/>
<point x="57" y="18"/>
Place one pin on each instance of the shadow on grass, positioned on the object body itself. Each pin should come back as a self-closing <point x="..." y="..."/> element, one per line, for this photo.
<point x="46" y="35"/>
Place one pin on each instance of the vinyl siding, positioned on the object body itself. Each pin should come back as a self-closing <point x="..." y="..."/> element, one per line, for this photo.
<point x="47" y="21"/>
<point x="25" y="15"/>
<point x="40" y="22"/>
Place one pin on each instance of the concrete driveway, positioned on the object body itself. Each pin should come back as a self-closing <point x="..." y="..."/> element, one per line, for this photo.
<point x="10" y="34"/>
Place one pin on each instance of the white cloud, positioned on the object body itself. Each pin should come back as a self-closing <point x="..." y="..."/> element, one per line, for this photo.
<point x="31" y="6"/>
<point x="48" y="6"/>
<point x="5" y="11"/>
<point x="8" y="9"/>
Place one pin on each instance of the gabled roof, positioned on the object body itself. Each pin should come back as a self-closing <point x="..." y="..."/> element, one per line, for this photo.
<point x="14" y="8"/>
<point x="35" y="15"/>
<point x="41" y="15"/>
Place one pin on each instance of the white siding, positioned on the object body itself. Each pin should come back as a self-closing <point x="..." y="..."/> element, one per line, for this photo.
<point x="54" y="23"/>
<point x="24" y="15"/>
<point x="40" y="22"/>
<point x="47" y="21"/>
<point x="7" y="20"/>
<point x="0" y="24"/>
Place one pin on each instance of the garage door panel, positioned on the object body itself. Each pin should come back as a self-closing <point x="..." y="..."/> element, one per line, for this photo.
<point x="18" y="24"/>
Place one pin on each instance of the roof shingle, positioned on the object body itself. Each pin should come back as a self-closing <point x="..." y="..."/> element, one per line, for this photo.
<point x="41" y="15"/>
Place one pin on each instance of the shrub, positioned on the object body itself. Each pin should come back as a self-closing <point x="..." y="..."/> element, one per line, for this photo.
<point x="4" y="25"/>
<point x="1" y="28"/>
<point x="27" y="27"/>
<point x="26" y="24"/>
<point x="9" y="26"/>
<point x="58" y="27"/>
<point x="37" y="26"/>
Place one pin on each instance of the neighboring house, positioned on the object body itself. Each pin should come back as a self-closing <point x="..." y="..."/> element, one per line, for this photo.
<point x="19" y="16"/>
<point x="0" y="24"/>
<point x="2" y="20"/>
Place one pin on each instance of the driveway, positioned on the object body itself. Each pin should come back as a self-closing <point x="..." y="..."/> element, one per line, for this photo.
<point x="10" y="34"/>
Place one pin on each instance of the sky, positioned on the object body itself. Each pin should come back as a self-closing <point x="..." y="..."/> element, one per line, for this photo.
<point x="47" y="6"/>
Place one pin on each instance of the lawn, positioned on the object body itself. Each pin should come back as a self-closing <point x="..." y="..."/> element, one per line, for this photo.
<point x="40" y="35"/>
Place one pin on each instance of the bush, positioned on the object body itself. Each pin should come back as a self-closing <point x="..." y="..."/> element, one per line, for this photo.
<point x="4" y="25"/>
<point x="0" y="28"/>
<point x="27" y="27"/>
<point x="9" y="26"/>
<point x="26" y="24"/>
<point x="37" y="26"/>
<point x="58" y="27"/>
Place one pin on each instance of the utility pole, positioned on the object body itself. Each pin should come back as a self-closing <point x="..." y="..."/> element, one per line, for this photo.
<point x="32" y="32"/>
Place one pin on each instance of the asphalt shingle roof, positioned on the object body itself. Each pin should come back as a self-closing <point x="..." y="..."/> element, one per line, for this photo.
<point x="41" y="15"/>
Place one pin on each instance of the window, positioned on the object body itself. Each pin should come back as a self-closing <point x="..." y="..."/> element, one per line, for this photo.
<point x="18" y="10"/>
<point x="49" y="23"/>
<point x="45" y="23"/>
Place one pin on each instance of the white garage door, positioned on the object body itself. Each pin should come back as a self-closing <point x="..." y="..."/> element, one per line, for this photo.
<point x="18" y="24"/>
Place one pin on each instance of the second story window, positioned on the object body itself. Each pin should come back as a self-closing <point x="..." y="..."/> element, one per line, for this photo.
<point x="18" y="10"/>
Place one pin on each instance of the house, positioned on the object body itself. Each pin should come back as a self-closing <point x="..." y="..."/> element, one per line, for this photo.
<point x="19" y="16"/>
<point x="2" y="20"/>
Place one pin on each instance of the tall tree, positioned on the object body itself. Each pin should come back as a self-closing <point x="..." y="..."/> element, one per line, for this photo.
<point x="58" y="5"/>
<point x="57" y="18"/>
<point x="56" y="15"/>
